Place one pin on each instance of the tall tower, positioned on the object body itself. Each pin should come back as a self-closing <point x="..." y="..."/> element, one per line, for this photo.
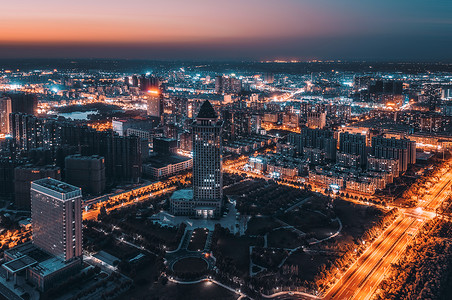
<point x="5" y="110"/>
<point x="207" y="162"/>
<point x="155" y="103"/>
<point x="56" y="216"/>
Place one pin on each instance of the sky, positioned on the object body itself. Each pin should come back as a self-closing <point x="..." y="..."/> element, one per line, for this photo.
<point x="382" y="30"/>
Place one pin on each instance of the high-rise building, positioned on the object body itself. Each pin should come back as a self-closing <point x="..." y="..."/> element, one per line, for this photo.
<point x="207" y="159"/>
<point x="155" y="104"/>
<point x="269" y="78"/>
<point x="291" y="120"/>
<point x="256" y="124"/>
<point x="431" y="94"/>
<point x="5" y="110"/>
<point x="218" y="84"/>
<point x="315" y="138"/>
<point x="446" y="92"/>
<point x="390" y="165"/>
<point x="24" y="175"/>
<point x="241" y="124"/>
<point x="404" y="150"/>
<point x="316" y="120"/>
<point x="232" y="85"/>
<point x="23" y="102"/>
<point x="206" y="198"/>
<point x="7" y="167"/>
<point x="30" y="132"/>
<point x="134" y="80"/>
<point x="354" y="144"/>
<point x="87" y="172"/>
<point x="150" y="82"/>
<point x="56" y="214"/>
<point x="388" y="92"/>
<point x="225" y="85"/>
<point x="123" y="155"/>
<point x="165" y="146"/>
<point x="185" y="141"/>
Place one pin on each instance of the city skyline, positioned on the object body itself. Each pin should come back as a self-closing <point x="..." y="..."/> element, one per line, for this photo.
<point x="233" y="30"/>
<point x="199" y="150"/>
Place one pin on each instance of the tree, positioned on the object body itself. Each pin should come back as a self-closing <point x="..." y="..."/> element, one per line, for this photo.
<point x="102" y="213"/>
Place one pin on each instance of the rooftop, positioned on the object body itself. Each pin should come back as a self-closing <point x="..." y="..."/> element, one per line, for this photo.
<point x="29" y="256"/>
<point x="37" y="168"/>
<point x="186" y="194"/>
<point x="160" y="161"/>
<point x="51" y="265"/>
<point x="80" y="157"/>
<point x="30" y="250"/>
<point x="56" y="188"/>
<point x="206" y="111"/>
<point x="106" y="257"/>
<point x="19" y="264"/>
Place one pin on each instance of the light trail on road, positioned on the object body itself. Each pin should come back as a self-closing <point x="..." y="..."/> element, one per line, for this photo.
<point x="361" y="280"/>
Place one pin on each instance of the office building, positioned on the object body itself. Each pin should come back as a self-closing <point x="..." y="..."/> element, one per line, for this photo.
<point x="56" y="214"/>
<point x="207" y="193"/>
<point x="207" y="160"/>
<point x="163" y="166"/>
<point x="86" y="172"/>
<point x="55" y="252"/>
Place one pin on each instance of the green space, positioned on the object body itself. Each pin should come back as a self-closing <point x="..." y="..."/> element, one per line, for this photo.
<point x="232" y="252"/>
<point x="313" y="223"/>
<point x="284" y="238"/>
<point x="356" y="218"/>
<point x="260" y="225"/>
<point x="268" y="258"/>
<point x="174" y="291"/>
<point x="97" y="241"/>
<point x="261" y="197"/>
<point x="308" y="265"/>
<point x="190" y="265"/>
<point x="145" y="275"/>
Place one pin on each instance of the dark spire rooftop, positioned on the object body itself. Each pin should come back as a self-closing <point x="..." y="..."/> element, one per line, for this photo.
<point x="207" y="111"/>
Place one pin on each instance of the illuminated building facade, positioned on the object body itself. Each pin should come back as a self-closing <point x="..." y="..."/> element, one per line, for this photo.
<point x="56" y="213"/>
<point x="316" y="120"/>
<point x="205" y="200"/>
<point x="155" y="104"/>
<point x="207" y="161"/>
<point x="5" y="110"/>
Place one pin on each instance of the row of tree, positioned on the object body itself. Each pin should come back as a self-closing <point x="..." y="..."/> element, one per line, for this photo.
<point x="426" y="267"/>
